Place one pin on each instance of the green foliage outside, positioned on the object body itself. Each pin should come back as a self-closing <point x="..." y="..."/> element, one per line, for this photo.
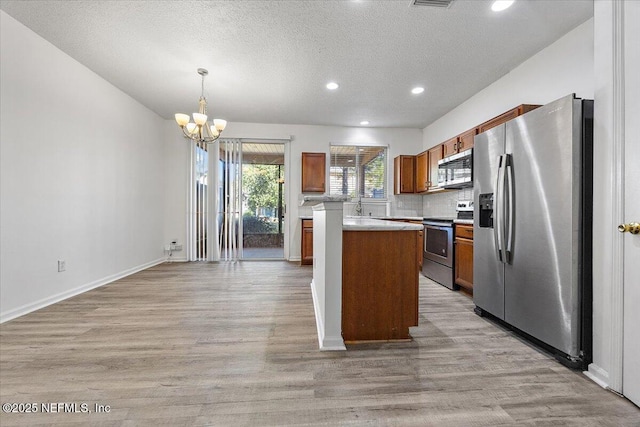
<point x="260" y="186"/>
<point x="251" y="224"/>
<point x="260" y="190"/>
<point x="374" y="176"/>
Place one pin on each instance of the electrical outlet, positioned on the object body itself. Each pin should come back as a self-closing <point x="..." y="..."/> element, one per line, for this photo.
<point x="62" y="266"/>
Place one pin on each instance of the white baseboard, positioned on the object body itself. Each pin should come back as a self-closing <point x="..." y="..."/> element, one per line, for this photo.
<point x="294" y="258"/>
<point x="324" y="343"/>
<point x="37" y="305"/>
<point x="174" y="259"/>
<point x="316" y="309"/>
<point x="597" y="375"/>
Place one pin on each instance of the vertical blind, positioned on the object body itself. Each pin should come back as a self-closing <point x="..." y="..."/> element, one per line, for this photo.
<point x="199" y="202"/>
<point x="229" y="221"/>
<point x="358" y="171"/>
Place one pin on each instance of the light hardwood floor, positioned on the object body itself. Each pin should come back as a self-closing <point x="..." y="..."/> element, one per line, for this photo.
<point x="235" y="345"/>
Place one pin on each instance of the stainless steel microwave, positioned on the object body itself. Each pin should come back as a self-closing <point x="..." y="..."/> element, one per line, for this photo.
<point x="456" y="171"/>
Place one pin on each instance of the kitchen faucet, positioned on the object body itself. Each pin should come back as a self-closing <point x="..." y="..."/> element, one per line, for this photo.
<point x="358" y="207"/>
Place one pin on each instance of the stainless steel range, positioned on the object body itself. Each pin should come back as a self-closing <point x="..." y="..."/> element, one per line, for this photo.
<point x="438" y="250"/>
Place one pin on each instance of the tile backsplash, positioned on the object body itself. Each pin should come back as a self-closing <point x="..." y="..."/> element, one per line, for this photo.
<point x="444" y="204"/>
<point x="432" y="205"/>
<point x="368" y="208"/>
<point x="407" y="204"/>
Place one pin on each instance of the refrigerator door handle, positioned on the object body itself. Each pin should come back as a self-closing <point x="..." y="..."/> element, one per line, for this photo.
<point x="510" y="203"/>
<point x="499" y="209"/>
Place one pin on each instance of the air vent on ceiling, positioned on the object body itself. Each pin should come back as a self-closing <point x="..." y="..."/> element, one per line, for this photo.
<point x="432" y="3"/>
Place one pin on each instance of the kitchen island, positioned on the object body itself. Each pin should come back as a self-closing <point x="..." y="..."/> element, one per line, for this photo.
<point x="379" y="280"/>
<point x="365" y="278"/>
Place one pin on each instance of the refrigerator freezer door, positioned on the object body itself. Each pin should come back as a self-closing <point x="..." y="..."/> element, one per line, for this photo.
<point x="541" y="282"/>
<point x="488" y="270"/>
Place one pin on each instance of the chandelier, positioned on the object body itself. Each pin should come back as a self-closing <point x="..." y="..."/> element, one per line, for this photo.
<point x="200" y="130"/>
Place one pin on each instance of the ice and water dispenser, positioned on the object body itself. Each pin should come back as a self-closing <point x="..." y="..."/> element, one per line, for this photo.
<point x="486" y="210"/>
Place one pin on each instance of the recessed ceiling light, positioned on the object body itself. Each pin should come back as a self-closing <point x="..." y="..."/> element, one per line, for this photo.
<point x="332" y="85"/>
<point x="364" y="122"/>
<point x="500" y="5"/>
<point x="417" y="90"/>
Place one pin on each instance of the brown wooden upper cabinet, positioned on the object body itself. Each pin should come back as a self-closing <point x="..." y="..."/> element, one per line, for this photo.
<point x="465" y="140"/>
<point x="505" y="117"/>
<point x="313" y="172"/>
<point x="404" y="174"/>
<point x="422" y="172"/>
<point x="435" y="154"/>
<point x="462" y="142"/>
<point x="450" y="147"/>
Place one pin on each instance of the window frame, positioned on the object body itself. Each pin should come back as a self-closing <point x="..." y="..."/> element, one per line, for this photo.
<point x="360" y="188"/>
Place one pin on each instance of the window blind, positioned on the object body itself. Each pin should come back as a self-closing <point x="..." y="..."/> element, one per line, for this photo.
<point x="358" y="171"/>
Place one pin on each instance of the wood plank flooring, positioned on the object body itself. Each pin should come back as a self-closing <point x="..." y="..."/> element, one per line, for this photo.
<point x="235" y="344"/>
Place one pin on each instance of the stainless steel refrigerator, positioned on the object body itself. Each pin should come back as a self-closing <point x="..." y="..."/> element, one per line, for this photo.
<point x="532" y="229"/>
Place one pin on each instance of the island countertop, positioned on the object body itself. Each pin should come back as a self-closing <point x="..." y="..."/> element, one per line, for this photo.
<point x="312" y="200"/>
<point x="389" y="217"/>
<point x="370" y="224"/>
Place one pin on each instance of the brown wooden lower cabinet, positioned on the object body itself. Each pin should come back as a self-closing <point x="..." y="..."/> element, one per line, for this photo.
<point x="379" y="285"/>
<point x="464" y="256"/>
<point x="306" y="246"/>
<point x="419" y="240"/>
<point x="420" y="245"/>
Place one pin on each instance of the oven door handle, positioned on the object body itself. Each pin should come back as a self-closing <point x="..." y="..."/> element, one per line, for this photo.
<point x="438" y="227"/>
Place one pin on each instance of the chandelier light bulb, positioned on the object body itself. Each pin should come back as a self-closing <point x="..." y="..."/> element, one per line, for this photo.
<point x="182" y="119"/>
<point x="219" y="124"/>
<point x="199" y="118"/>
<point x="192" y="128"/>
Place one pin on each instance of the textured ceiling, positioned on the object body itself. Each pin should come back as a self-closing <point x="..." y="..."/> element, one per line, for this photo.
<point x="269" y="61"/>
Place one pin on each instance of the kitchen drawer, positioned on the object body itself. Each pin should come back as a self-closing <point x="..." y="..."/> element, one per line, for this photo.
<point x="464" y="231"/>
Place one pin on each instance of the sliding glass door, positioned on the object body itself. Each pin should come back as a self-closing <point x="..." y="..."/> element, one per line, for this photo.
<point x="263" y="183"/>
<point x="238" y="201"/>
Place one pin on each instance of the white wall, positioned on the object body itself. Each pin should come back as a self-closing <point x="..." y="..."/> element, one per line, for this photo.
<point x="304" y="138"/>
<point x="81" y="176"/>
<point x="176" y="173"/>
<point x="564" y="67"/>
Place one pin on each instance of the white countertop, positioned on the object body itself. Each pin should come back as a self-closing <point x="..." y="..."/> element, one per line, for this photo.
<point x="310" y="200"/>
<point x="463" y="221"/>
<point x="371" y="224"/>
<point x="390" y="217"/>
